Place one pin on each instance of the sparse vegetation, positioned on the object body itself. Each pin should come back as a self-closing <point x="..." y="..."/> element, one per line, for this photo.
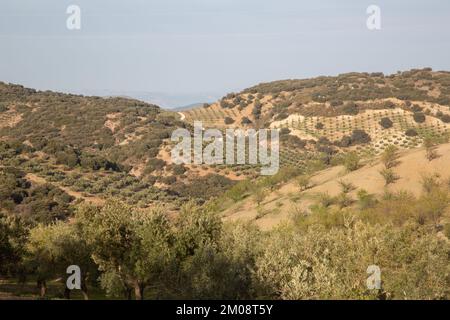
<point x="389" y="176"/>
<point x="430" y="144"/>
<point x="390" y="157"/>
<point x="351" y="161"/>
<point x="304" y="182"/>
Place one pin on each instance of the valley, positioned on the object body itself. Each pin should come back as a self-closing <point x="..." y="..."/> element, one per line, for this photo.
<point x="364" y="179"/>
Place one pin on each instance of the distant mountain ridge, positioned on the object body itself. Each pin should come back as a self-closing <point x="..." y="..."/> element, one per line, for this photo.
<point x="171" y="101"/>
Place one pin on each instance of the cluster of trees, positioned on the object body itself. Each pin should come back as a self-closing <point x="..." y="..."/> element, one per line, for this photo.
<point x="39" y="204"/>
<point x="73" y="129"/>
<point x="201" y="188"/>
<point x="132" y="253"/>
<point x="358" y="137"/>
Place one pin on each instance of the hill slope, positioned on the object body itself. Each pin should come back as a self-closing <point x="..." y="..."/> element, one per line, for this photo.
<point x="288" y="200"/>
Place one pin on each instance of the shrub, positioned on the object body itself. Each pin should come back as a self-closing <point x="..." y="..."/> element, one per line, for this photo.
<point x="389" y="157"/>
<point x="351" y="161"/>
<point x="345" y="142"/>
<point x="430" y="183"/>
<point x="319" y="126"/>
<point x="228" y="120"/>
<point x="360" y="137"/>
<point x="430" y="144"/>
<point x="245" y="121"/>
<point x="336" y="103"/>
<point x="419" y="117"/>
<point x="389" y="176"/>
<point x="350" y="108"/>
<point x="416" y="108"/>
<point x="388" y="105"/>
<point x="386" y="123"/>
<point x="289" y="267"/>
<point x="411" y="133"/>
<point x="154" y="164"/>
<point x="239" y="191"/>
<point x="445" y="118"/>
<point x="325" y="200"/>
<point x="346" y="187"/>
<point x="260" y="195"/>
<point x="304" y="182"/>
<point x="285" y="131"/>
<point x="366" y="200"/>
<point x="178" y="169"/>
<point x="343" y="200"/>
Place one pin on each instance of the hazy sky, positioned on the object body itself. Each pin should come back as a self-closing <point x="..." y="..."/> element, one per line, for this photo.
<point x="210" y="47"/>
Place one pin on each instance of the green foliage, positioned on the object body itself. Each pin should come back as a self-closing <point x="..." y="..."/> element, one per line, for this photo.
<point x="13" y="233"/>
<point x="331" y="264"/>
<point x="351" y="161"/>
<point x="430" y="183"/>
<point x="389" y="176"/>
<point x="37" y="204"/>
<point x="260" y="195"/>
<point x="239" y="191"/>
<point x="203" y="188"/>
<point x="129" y="245"/>
<point x="389" y="157"/>
<point x="346" y="187"/>
<point x="154" y="165"/>
<point x="343" y="200"/>
<point x="325" y="200"/>
<point x="304" y="182"/>
<point x="3" y="108"/>
<point x="366" y="200"/>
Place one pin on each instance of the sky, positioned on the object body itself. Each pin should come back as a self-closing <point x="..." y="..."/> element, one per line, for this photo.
<point x="178" y="52"/>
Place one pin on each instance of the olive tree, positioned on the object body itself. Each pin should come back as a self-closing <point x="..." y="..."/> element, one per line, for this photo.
<point x="130" y="246"/>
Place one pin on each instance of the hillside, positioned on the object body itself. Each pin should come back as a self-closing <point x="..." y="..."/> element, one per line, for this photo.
<point x="92" y="148"/>
<point x="359" y="112"/>
<point x="364" y="180"/>
<point x="281" y="205"/>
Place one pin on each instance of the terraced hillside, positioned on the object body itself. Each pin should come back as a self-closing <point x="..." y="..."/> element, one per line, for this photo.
<point x="359" y="112"/>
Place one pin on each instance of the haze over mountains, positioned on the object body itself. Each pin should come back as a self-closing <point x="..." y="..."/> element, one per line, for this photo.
<point x="162" y="99"/>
